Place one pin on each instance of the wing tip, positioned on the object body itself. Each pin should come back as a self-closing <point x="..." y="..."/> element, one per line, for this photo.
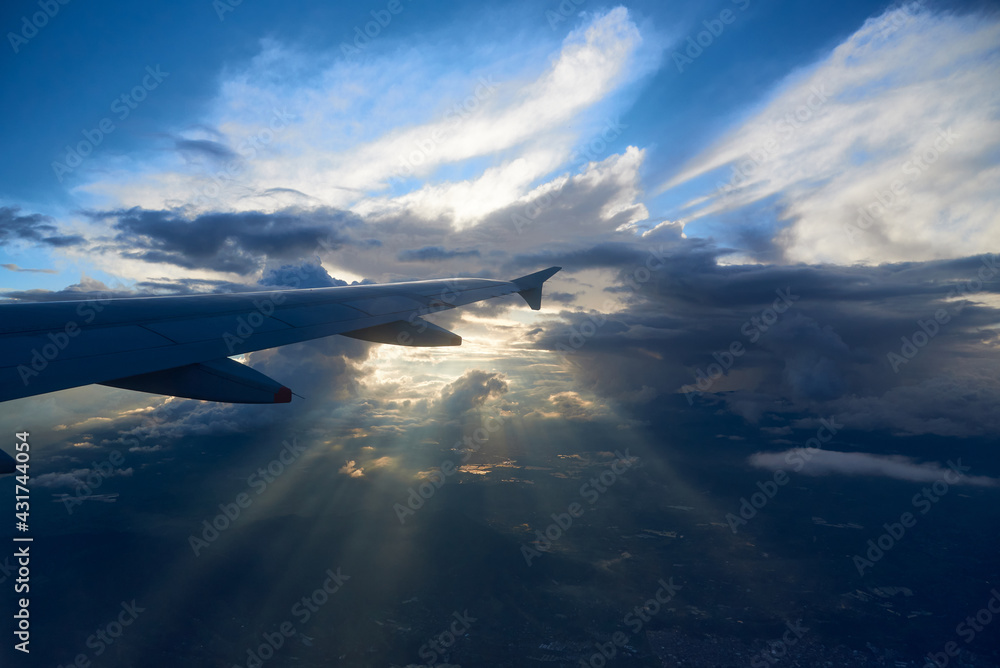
<point x="530" y="286"/>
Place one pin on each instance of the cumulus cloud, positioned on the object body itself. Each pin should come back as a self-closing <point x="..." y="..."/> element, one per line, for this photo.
<point x="571" y="406"/>
<point x="351" y="469"/>
<point x="305" y="275"/>
<point x="830" y="462"/>
<point x="869" y="158"/>
<point x="324" y="370"/>
<point x="472" y="390"/>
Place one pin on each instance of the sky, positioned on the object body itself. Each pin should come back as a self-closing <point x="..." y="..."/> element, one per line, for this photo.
<point x="778" y="227"/>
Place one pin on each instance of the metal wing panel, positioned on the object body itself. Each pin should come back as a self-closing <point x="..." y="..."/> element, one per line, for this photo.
<point x="303" y="316"/>
<point x="207" y="337"/>
<point x="189" y="330"/>
<point x="23" y="379"/>
<point x="82" y="343"/>
<point x="387" y="304"/>
<point x="117" y="338"/>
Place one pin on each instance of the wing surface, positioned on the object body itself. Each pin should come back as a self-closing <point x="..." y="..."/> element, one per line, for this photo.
<point x="178" y="345"/>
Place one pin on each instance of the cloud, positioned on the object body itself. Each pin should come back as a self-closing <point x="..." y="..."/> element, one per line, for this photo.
<point x="868" y="158"/>
<point x="956" y="397"/>
<point x="590" y="65"/>
<point x="225" y="242"/>
<point x="593" y="203"/>
<point x="147" y="448"/>
<point x="560" y="297"/>
<point x="91" y="288"/>
<point x="14" y="267"/>
<point x="77" y="477"/>
<point x="570" y="405"/>
<point x="814" y="357"/>
<point x="472" y="390"/>
<point x="188" y="286"/>
<point x="292" y="118"/>
<point x="351" y="469"/>
<point x="204" y="147"/>
<point x="306" y="275"/>
<point x="87" y="288"/>
<point x="34" y="228"/>
<point x="671" y="329"/>
<point x="829" y="462"/>
<point x="434" y="254"/>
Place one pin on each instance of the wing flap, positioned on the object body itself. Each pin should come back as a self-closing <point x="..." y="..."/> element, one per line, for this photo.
<point x="418" y="333"/>
<point x="217" y="380"/>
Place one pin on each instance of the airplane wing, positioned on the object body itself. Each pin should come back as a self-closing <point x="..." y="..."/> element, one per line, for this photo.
<point x="181" y="345"/>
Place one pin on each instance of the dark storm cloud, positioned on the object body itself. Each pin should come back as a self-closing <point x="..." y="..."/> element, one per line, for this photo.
<point x="606" y="255"/>
<point x="32" y="227"/>
<point x="814" y="355"/>
<point x="688" y="271"/>
<point x="828" y="347"/>
<point x="229" y="242"/>
<point x="434" y="254"/>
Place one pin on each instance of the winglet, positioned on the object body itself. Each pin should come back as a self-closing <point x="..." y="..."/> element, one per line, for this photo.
<point x="530" y="286"/>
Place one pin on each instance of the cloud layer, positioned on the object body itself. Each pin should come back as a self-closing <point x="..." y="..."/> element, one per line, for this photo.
<point x="829" y="462"/>
<point x="884" y="151"/>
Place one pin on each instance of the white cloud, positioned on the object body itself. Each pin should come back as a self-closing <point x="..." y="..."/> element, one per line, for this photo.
<point x="837" y="135"/>
<point x="355" y="128"/>
<point x="827" y="462"/>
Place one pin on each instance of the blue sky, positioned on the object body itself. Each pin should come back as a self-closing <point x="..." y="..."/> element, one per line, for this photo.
<point x="225" y="72"/>
<point x="686" y="164"/>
